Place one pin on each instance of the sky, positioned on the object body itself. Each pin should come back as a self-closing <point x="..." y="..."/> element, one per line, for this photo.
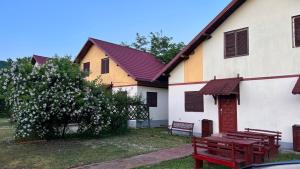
<point x="49" y="27"/>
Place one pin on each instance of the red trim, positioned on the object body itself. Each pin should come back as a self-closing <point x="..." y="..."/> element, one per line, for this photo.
<point x="125" y="85"/>
<point x="271" y="77"/>
<point x="244" y="79"/>
<point x="163" y="86"/>
<point x="181" y="84"/>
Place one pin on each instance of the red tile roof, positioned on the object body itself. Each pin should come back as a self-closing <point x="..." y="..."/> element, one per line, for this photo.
<point x="141" y="66"/>
<point x="39" y="59"/>
<point x="296" y="89"/>
<point x="221" y="87"/>
<point x="202" y="36"/>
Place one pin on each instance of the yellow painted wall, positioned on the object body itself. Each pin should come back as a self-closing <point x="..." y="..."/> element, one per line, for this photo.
<point x="117" y="76"/>
<point x="193" y="67"/>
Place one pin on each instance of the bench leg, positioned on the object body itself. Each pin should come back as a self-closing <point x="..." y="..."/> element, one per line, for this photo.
<point x="198" y="164"/>
<point x="258" y="159"/>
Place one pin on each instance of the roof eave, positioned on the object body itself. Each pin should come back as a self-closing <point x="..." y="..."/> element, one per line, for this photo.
<point x="202" y="36"/>
<point x="88" y="45"/>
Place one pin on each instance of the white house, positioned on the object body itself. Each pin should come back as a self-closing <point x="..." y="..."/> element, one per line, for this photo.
<point x="246" y="63"/>
<point x="130" y="70"/>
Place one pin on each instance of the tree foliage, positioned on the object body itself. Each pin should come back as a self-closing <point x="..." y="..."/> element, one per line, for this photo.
<point x="157" y="44"/>
<point x="4" y="109"/>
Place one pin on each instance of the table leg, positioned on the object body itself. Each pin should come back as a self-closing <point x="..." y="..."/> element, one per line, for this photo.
<point x="249" y="154"/>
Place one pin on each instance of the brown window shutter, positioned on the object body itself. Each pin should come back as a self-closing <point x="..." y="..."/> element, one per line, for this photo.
<point x="102" y="66"/>
<point x="86" y="67"/>
<point x="297" y="31"/>
<point x="107" y="66"/>
<point x="242" y="42"/>
<point x="194" y="102"/>
<point x="152" y="99"/>
<point x="230" y="47"/>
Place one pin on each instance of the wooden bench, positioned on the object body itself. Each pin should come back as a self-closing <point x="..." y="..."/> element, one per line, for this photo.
<point x="221" y="153"/>
<point x="182" y="127"/>
<point x="274" y="138"/>
<point x="277" y="134"/>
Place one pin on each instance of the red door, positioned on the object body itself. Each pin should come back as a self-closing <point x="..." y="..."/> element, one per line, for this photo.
<point x="227" y="113"/>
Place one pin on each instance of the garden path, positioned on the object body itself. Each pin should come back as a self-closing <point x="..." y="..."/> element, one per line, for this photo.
<point x="144" y="159"/>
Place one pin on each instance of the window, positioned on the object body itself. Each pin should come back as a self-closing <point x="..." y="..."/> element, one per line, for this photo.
<point x="104" y="66"/>
<point x="194" y="102"/>
<point x="236" y="43"/>
<point x="86" y="68"/>
<point x="296" y="31"/>
<point x="152" y="99"/>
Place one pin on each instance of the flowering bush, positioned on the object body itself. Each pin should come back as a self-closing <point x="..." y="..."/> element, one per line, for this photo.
<point x="91" y="113"/>
<point x="4" y="110"/>
<point x="45" y="99"/>
<point x="103" y="111"/>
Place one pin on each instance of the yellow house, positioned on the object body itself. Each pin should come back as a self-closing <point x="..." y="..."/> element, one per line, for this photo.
<point x="127" y="69"/>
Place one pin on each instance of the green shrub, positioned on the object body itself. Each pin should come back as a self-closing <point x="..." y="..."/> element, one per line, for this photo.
<point x="45" y="99"/>
<point x="4" y="109"/>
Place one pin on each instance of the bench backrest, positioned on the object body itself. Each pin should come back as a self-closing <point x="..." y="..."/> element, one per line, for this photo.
<point x="217" y="148"/>
<point x="276" y="133"/>
<point x="258" y="138"/>
<point x="183" y="125"/>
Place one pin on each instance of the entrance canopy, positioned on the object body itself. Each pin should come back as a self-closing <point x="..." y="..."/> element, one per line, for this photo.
<point x="296" y="89"/>
<point x="218" y="87"/>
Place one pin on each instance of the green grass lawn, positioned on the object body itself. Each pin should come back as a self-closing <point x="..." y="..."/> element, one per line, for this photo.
<point x="74" y="152"/>
<point x="188" y="163"/>
<point x="4" y="123"/>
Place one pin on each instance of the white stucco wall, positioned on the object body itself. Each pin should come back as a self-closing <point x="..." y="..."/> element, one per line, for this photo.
<point x="177" y="74"/>
<point x="177" y="109"/>
<point x="156" y="113"/>
<point x="265" y="104"/>
<point x="161" y="111"/>
<point x="269" y="104"/>
<point x="271" y="49"/>
<point x="131" y="90"/>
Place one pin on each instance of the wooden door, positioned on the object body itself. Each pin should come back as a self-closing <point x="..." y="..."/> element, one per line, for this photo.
<point x="227" y="113"/>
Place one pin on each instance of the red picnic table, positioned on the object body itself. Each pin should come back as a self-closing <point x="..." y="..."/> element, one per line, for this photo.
<point x="233" y="149"/>
<point x="243" y="143"/>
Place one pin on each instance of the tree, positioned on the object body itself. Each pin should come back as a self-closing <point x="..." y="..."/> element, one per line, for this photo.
<point x="157" y="44"/>
<point x="3" y="64"/>
<point x="140" y="43"/>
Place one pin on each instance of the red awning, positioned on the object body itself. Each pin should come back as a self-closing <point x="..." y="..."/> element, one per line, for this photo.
<point x="296" y="89"/>
<point x="221" y="87"/>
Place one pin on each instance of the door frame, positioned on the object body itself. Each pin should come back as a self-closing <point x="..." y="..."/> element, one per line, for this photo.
<point x="219" y="112"/>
